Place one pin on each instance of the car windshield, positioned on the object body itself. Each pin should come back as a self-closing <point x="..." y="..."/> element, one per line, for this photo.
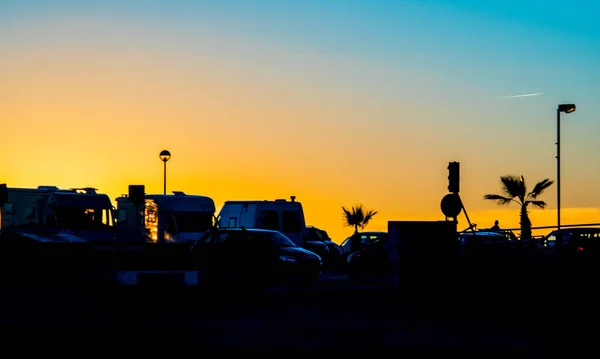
<point x="313" y="235"/>
<point x="275" y="238"/>
<point x="324" y="235"/>
<point x="366" y="239"/>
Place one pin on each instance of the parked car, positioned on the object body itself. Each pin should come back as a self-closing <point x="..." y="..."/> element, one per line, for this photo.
<point x="366" y="239"/>
<point x="318" y="238"/>
<point x="251" y="254"/>
<point x="319" y="248"/>
<point x="579" y="241"/>
<point x="483" y="242"/>
<point x="371" y="260"/>
<point x="508" y="234"/>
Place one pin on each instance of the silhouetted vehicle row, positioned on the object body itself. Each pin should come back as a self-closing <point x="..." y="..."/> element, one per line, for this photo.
<point x="576" y="242"/>
<point x="72" y="230"/>
<point x="582" y="241"/>
<point x="369" y="254"/>
<point x="147" y="235"/>
<point x="232" y="255"/>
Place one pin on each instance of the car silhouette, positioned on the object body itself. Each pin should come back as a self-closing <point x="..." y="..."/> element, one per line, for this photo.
<point x="576" y="241"/>
<point x="250" y="254"/>
<point x="319" y="242"/>
<point x="370" y="259"/>
<point x="366" y="239"/>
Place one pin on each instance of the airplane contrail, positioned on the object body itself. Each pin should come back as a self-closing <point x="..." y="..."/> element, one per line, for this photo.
<point x="525" y="95"/>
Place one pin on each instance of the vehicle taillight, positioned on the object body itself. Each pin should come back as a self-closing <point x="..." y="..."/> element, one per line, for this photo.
<point x="580" y="249"/>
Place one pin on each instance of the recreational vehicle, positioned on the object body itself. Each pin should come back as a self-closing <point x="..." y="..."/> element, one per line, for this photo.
<point x="280" y="215"/>
<point x="164" y="218"/>
<point x="47" y="213"/>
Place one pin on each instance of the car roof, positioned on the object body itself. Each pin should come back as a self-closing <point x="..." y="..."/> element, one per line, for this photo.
<point x="375" y="233"/>
<point x="580" y="229"/>
<point x="577" y="229"/>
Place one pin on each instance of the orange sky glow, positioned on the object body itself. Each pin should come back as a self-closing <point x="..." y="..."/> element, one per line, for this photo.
<point x="250" y="119"/>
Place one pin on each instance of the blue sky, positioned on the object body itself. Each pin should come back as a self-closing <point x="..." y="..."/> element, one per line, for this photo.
<point x="507" y="37"/>
<point x="476" y="50"/>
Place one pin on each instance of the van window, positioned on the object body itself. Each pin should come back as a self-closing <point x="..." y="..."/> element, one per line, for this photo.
<point x="269" y="220"/>
<point x="9" y="208"/>
<point x="292" y="222"/>
<point x="193" y="222"/>
<point x="232" y="222"/>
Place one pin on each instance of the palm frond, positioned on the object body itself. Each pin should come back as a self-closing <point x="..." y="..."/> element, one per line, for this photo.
<point x="346" y="212"/>
<point x="353" y="217"/>
<point x="540" y="187"/>
<point x="514" y="187"/>
<point x="347" y="217"/>
<point x="368" y="216"/>
<point x="500" y="199"/>
<point x="515" y="190"/>
<point x="357" y="216"/>
<point x="538" y="204"/>
<point x="359" y="212"/>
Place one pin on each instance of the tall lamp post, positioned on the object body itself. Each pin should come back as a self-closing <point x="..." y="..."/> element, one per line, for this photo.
<point x="566" y="108"/>
<point x="165" y="156"/>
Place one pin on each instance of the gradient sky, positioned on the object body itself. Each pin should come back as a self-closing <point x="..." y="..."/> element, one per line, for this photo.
<point x="335" y="102"/>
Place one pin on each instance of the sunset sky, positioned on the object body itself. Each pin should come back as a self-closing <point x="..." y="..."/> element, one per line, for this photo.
<point x="335" y="102"/>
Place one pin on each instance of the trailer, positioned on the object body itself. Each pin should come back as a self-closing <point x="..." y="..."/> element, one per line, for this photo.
<point x="80" y="211"/>
<point x="49" y="232"/>
<point x="163" y="218"/>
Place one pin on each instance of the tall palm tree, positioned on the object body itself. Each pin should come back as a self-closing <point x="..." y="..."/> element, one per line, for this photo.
<point x="515" y="190"/>
<point x="357" y="217"/>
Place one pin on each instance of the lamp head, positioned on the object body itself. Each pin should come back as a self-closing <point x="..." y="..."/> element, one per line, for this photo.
<point x="566" y="108"/>
<point x="165" y="155"/>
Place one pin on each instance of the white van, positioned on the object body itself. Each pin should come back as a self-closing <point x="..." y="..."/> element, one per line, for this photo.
<point x="280" y="215"/>
<point x="166" y="218"/>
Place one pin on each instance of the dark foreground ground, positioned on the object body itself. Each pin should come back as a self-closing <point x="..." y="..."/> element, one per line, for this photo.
<point x="330" y="317"/>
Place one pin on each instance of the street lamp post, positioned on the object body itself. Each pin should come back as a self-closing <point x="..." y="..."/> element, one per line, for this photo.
<point x="566" y="108"/>
<point x="165" y="156"/>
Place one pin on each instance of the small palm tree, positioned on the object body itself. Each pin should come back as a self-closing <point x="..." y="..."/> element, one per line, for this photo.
<point x="515" y="190"/>
<point x="357" y="217"/>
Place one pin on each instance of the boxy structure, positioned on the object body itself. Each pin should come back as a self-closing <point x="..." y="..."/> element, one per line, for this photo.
<point x="422" y="253"/>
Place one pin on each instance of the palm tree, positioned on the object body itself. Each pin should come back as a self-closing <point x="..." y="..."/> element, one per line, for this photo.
<point x="515" y="190"/>
<point x="357" y="217"/>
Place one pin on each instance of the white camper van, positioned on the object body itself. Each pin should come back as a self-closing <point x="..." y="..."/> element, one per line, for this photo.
<point x="280" y="215"/>
<point x="165" y="218"/>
